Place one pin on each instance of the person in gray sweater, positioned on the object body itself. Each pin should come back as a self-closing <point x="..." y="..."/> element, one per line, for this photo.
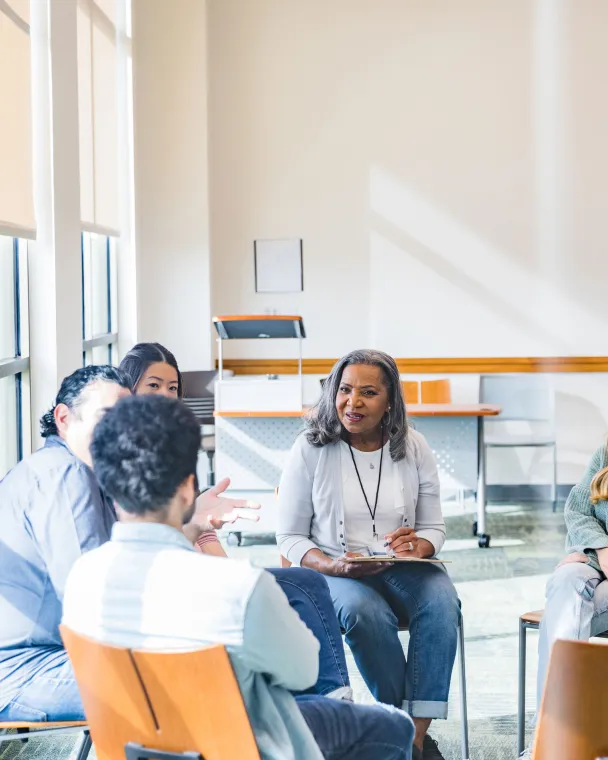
<point x="577" y="592"/>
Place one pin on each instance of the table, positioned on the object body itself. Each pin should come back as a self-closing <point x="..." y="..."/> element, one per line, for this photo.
<point x="252" y="447"/>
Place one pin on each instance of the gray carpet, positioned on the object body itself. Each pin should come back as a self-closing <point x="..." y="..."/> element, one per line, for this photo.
<point x="490" y="739"/>
<point x="58" y="748"/>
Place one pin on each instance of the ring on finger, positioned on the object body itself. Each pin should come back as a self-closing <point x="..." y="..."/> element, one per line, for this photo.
<point x="410" y="547"/>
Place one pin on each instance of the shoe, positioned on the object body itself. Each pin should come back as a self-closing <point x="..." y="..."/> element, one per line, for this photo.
<point x="430" y="750"/>
<point x="416" y="753"/>
<point x="526" y="754"/>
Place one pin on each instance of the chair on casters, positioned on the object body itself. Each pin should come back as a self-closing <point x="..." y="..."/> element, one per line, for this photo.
<point x="55" y="728"/>
<point x="161" y="705"/>
<point x="522" y="398"/>
<point x="464" y="736"/>
<point x="199" y="396"/>
<point x="531" y="621"/>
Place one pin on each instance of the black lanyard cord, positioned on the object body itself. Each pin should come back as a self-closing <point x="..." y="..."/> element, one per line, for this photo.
<point x="371" y="514"/>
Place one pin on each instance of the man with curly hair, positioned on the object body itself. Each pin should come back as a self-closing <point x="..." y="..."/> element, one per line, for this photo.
<point x="148" y="589"/>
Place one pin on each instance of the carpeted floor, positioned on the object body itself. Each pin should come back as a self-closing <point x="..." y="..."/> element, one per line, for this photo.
<point x="495" y="586"/>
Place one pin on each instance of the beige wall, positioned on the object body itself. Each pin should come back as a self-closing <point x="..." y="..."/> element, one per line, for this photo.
<point x="171" y="214"/>
<point x="443" y="162"/>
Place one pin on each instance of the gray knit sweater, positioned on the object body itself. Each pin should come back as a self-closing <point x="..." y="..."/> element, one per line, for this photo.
<point x="587" y="523"/>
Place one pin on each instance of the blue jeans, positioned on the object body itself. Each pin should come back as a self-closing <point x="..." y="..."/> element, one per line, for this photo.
<point x="48" y="689"/>
<point x="308" y="594"/>
<point x="370" y="611"/>
<point x="345" y="731"/>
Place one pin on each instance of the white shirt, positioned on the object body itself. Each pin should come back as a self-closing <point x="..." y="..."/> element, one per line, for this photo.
<point x="311" y="511"/>
<point x="148" y="589"/>
<point x="357" y="519"/>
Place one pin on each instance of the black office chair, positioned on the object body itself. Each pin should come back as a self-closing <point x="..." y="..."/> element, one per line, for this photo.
<point x="199" y="396"/>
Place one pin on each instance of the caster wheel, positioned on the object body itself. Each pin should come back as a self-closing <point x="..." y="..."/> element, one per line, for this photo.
<point x="484" y="541"/>
<point x="475" y="528"/>
<point x="234" y="539"/>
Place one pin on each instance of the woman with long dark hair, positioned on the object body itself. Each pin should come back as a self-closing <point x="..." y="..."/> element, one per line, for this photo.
<point x="360" y="481"/>
<point x="151" y="369"/>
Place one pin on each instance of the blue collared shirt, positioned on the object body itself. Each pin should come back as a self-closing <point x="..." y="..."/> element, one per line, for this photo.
<point x="52" y="510"/>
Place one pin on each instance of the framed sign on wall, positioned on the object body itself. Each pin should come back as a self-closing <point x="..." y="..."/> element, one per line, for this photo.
<point x="278" y="266"/>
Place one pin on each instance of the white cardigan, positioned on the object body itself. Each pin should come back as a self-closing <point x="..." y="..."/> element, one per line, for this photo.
<point x="311" y="511"/>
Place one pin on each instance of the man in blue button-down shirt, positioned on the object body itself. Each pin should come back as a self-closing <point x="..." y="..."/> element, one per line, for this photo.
<point x="51" y="511"/>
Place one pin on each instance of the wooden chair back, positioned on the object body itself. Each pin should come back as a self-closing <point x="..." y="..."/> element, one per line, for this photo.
<point x="436" y="392"/>
<point x="170" y="701"/>
<point x="572" y="720"/>
<point x="411" y="391"/>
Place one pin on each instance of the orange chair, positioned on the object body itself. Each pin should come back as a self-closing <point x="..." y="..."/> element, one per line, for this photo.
<point x="572" y="721"/>
<point x="411" y="391"/>
<point x="531" y="621"/>
<point x="170" y="705"/>
<point x="436" y="392"/>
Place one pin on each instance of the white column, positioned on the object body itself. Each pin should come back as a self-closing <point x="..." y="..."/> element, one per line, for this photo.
<point x="54" y="259"/>
<point x="126" y="260"/>
<point x="171" y="203"/>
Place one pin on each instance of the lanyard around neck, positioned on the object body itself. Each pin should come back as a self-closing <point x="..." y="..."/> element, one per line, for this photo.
<point x="372" y="514"/>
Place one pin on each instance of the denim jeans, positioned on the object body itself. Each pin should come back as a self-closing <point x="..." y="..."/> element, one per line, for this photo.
<point x="308" y="594"/>
<point x="371" y="609"/>
<point x="345" y="731"/>
<point x="48" y="690"/>
<point x="576" y="597"/>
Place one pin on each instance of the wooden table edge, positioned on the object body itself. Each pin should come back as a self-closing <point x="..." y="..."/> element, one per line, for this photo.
<point x="413" y="410"/>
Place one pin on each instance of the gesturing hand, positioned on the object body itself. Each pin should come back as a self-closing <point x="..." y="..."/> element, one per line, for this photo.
<point x="342" y="569"/>
<point x="215" y="510"/>
<point x="404" y="542"/>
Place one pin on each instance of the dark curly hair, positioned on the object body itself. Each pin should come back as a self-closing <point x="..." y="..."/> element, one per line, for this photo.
<point x="323" y="425"/>
<point x="141" y="356"/>
<point x="73" y="387"/>
<point x="143" y="448"/>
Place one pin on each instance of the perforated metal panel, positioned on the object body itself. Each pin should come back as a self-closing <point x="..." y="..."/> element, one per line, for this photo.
<point x="252" y="451"/>
<point x="454" y="444"/>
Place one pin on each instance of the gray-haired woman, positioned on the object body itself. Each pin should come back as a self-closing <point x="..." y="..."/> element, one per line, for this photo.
<point x="360" y="479"/>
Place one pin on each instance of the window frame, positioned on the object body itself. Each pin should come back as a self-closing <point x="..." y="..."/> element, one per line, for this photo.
<point x="18" y="365"/>
<point x="108" y="338"/>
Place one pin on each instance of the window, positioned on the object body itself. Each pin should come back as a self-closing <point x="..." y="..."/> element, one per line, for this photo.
<point x="14" y="353"/>
<point x="98" y="24"/>
<point x="16" y="176"/>
<point x="98" y="299"/>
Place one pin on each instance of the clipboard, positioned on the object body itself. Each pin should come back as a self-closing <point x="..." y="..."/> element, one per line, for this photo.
<point x="387" y="558"/>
